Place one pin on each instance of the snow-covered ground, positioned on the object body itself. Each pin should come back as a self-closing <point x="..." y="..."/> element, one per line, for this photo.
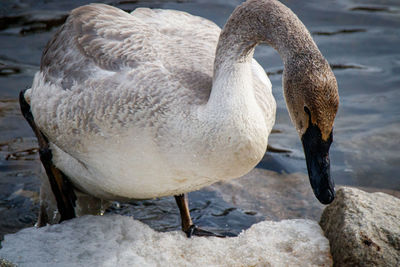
<point x="115" y="240"/>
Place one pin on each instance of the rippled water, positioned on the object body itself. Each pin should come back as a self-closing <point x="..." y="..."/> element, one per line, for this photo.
<point x="361" y="40"/>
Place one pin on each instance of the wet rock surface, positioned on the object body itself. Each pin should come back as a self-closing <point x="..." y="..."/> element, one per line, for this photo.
<point x="363" y="228"/>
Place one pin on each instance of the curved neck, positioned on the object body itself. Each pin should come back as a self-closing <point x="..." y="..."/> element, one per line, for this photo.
<point x="263" y="21"/>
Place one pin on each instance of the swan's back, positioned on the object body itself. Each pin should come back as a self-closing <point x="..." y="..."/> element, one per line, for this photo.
<point x="103" y="38"/>
<point x="106" y="68"/>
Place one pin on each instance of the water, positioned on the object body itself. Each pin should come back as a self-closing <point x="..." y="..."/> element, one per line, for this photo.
<point x="359" y="38"/>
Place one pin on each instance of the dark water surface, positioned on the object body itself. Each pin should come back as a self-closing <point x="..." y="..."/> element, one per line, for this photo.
<point x="361" y="40"/>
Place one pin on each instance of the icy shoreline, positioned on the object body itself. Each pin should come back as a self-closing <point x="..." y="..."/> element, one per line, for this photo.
<point x="115" y="240"/>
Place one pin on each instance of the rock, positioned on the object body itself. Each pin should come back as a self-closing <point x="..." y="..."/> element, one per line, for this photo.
<point x="363" y="228"/>
<point x="114" y="240"/>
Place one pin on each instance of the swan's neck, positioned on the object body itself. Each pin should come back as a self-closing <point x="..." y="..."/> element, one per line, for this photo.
<point x="232" y="88"/>
<point x="263" y="21"/>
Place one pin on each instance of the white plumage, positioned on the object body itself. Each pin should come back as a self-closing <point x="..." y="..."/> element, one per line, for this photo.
<point x="134" y="107"/>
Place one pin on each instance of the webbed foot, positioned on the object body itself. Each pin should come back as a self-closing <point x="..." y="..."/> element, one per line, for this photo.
<point x="196" y="231"/>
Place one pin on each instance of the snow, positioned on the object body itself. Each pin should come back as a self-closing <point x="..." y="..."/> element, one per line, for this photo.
<point x="114" y="240"/>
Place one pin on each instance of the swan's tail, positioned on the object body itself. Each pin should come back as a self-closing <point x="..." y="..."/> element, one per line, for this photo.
<point x="26" y="94"/>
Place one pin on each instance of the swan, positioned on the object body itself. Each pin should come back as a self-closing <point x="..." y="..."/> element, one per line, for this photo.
<point x="158" y="102"/>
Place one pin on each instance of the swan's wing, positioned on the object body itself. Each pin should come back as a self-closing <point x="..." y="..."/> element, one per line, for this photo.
<point x="106" y="68"/>
<point x="99" y="37"/>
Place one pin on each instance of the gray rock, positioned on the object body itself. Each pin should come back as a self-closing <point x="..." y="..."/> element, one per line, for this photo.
<point x="363" y="228"/>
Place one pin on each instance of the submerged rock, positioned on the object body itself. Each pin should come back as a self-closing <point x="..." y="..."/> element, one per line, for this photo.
<point x="363" y="228"/>
<point x="116" y="240"/>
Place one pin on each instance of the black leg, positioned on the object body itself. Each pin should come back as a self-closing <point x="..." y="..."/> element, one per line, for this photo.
<point x="60" y="185"/>
<point x="43" y="218"/>
<point x="187" y="225"/>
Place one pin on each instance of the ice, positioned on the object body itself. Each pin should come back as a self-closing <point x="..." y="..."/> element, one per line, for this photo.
<point x="114" y="240"/>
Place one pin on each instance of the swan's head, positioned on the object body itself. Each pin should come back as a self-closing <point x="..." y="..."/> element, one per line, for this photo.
<point x="312" y="99"/>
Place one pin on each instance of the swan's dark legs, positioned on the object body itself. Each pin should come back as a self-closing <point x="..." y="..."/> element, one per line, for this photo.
<point x="181" y="201"/>
<point x="187" y="225"/>
<point x="61" y="187"/>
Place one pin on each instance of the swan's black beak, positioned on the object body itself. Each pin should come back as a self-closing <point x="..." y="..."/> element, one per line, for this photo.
<point x="316" y="151"/>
